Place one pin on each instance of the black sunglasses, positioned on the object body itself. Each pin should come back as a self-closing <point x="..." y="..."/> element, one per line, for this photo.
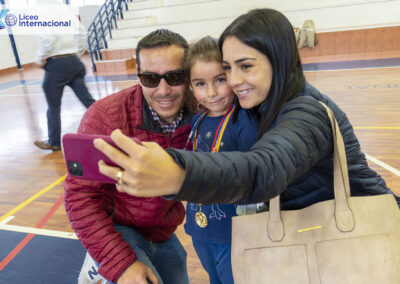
<point x="173" y="78"/>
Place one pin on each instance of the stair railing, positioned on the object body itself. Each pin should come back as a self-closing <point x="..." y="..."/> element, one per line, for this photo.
<point x="100" y="29"/>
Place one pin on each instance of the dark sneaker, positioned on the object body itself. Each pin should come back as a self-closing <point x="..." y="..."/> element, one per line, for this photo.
<point x="47" y="146"/>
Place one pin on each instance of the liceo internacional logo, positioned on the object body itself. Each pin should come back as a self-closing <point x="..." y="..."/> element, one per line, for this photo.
<point x="40" y="19"/>
<point x="36" y="21"/>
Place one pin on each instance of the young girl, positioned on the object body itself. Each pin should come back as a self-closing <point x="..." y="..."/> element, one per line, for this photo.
<point x="222" y="126"/>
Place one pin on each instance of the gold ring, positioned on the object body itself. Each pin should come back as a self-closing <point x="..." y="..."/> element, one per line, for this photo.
<point x="119" y="177"/>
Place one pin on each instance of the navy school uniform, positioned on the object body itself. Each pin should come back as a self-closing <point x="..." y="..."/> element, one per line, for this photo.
<point x="212" y="243"/>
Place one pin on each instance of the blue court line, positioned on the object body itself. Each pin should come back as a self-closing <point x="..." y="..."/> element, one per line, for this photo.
<point x="16" y="83"/>
<point x="122" y="77"/>
<point x="88" y="79"/>
<point x="356" y="64"/>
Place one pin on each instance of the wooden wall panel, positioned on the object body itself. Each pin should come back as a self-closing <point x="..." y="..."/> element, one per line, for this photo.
<point x="374" y="40"/>
<point x="355" y="45"/>
<point x="358" y="41"/>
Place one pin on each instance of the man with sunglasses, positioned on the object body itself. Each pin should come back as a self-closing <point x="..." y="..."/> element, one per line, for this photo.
<point x="130" y="239"/>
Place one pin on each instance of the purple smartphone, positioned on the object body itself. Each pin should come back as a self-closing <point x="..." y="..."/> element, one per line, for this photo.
<point x="81" y="157"/>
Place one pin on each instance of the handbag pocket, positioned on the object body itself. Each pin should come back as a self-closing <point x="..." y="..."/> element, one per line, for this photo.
<point x="276" y="265"/>
<point x="336" y="260"/>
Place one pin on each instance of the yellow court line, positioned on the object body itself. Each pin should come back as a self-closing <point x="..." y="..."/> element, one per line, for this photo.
<point x="377" y="127"/>
<point x="309" y="229"/>
<point x="26" y="202"/>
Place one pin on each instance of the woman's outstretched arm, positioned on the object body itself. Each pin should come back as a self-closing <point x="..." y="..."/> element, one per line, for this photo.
<point x="299" y="139"/>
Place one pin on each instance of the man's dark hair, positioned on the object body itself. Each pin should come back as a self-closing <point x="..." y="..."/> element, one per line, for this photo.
<point x="160" y="38"/>
<point x="271" y="33"/>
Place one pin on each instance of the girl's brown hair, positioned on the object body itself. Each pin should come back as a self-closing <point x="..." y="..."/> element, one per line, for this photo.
<point x="205" y="49"/>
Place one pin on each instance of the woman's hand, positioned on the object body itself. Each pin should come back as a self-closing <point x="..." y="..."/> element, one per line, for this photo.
<point x="148" y="170"/>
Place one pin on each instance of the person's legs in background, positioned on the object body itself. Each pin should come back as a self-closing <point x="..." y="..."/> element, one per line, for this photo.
<point x="53" y="88"/>
<point x="53" y="93"/>
<point x="60" y="72"/>
<point x="78" y="84"/>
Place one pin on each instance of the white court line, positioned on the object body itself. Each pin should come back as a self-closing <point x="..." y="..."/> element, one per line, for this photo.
<point x="37" y="231"/>
<point x="383" y="165"/>
<point x="6" y="220"/>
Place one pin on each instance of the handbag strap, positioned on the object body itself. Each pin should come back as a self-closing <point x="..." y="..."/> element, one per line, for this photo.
<point x="344" y="218"/>
<point x="343" y="214"/>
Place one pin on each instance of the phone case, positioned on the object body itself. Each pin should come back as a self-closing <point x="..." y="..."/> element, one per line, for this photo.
<point x="81" y="157"/>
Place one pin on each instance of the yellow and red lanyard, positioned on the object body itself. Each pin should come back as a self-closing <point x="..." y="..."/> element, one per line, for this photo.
<point x="220" y="130"/>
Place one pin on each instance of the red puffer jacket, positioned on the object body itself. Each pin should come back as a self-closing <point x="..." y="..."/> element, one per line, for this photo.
<point x="92" y="207"/>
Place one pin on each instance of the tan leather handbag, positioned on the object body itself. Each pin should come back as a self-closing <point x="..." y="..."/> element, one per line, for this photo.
<point x="346" y="240"/>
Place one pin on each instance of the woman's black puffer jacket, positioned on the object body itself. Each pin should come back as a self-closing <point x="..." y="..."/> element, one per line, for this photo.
<point x="293" y="158"/>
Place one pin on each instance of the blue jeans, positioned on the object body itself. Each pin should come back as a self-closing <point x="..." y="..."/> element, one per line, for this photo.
<point x="61" y="72"/>
<point x="216" y="260"/>
<point x="166" y="259"/>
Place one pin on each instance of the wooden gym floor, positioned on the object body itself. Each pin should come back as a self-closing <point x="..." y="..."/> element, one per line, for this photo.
<point x="32" y="179"/>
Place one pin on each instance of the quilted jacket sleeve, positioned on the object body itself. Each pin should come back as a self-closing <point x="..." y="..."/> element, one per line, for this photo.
<point x="299" y="138"/>
<point x="85" y="204"/>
